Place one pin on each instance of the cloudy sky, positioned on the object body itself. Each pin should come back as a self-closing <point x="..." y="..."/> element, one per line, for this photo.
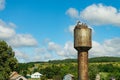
<point x="42" y="30"/>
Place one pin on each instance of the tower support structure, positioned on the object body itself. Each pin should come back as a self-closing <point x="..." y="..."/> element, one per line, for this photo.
<point x="82" y="43"/>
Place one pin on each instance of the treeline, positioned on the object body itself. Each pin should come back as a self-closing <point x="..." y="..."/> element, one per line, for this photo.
<point x="91" y="60"/>
<point x="104" y="59"/>
<point x="63" y="61"/>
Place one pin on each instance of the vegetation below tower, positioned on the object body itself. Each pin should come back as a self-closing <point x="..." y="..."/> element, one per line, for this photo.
<point x="105" y="66"/>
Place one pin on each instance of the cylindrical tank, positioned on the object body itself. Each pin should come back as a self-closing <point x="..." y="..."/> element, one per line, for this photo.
<point x="82" y="37"/>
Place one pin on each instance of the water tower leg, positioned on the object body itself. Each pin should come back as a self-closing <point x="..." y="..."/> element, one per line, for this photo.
<point x="82" y="65"/>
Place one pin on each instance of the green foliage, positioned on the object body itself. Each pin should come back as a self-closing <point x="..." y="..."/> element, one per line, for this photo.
<point x="23" y="69"/>
<point x="63" y="61"/>
<point x="57" y="77"/>
<point x="57" y="69"/>
<point x="51" y="71"/>
<point x="104" y="59"/>
<point x="43" y="77"/>
<point x="8" y="62"/>
<point x="93" y="70"/>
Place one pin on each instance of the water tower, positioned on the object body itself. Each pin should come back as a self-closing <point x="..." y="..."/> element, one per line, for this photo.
<point x="82" y="43"/>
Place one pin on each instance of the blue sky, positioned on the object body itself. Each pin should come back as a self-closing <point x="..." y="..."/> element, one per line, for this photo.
<point x="41" y="30"/>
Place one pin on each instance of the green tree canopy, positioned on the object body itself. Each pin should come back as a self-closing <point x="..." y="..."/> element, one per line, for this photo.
<point x="8" y="62"/>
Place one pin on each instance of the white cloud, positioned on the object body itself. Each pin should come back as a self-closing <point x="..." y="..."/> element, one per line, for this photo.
<point x="109" y="47"/>
<point x="72" y="12"/>
<point x="69" y="49"/>
<point x="23" y="40"/>
<point x="12" y="25"/>
<point x="97" y="14"/>
<point x="100" y="14"/>
<point x="40" y="50"/>
<point x="97" y="50"/>
<point x="2" y="4"/>
<point x="53" y="50"/>
<point x="21" y="56"/>
<point x="35" y="58"/>
<point x="112" y="45"/>
<point x="53" y="47"/>
<point x="71" y="29"/>
<point x="66" y="51"/>
<point x="42" y="54"/>
<point x="47" y="56"/>
<point x="6" y="31"/>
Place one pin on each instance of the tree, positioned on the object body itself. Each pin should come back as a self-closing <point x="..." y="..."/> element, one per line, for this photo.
<point x="8" y="62"/>
<point x="93" y="70"/>
<point x="51" y="71"/>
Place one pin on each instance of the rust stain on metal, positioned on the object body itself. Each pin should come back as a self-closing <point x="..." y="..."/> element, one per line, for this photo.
<point x="82" y="36"/>
<point x="83" y="65"/>
<point x="82" y="43"/>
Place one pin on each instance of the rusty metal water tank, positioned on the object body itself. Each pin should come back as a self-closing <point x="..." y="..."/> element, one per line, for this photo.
<point x="82" y="37"/>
